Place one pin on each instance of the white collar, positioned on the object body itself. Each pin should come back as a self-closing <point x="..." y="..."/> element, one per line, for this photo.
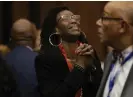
<point x="127" y="51"/>
<point x="29" y="48"/>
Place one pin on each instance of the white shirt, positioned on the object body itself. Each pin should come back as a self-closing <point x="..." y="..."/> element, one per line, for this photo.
<point x="29" y="48"/>
<point x="102" y="65"/>
<point x="122" y="76"/>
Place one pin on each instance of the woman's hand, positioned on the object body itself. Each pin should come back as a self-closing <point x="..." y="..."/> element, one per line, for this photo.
<point x="85" y="53"/>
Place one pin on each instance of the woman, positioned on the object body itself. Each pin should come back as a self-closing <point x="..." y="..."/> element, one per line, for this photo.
<point x="65" y="67"/>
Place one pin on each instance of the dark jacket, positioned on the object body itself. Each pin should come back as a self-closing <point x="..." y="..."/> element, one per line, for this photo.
<point x="55" y="79"/>
<point x="21" y="59"/>
<point x="8" y="87"/>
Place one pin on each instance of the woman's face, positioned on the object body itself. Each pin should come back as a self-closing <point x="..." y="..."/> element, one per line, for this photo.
<point x="68" y="23"/>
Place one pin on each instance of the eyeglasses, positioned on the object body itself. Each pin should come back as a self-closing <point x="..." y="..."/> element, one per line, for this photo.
<point x="69" y="17"/>
<point x="105" y="18"/>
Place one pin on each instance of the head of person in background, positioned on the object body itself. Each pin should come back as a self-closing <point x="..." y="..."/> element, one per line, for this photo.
<point x="22" y="57"/>
<point x="23" y="33"/>
<point x="4" y="50"/>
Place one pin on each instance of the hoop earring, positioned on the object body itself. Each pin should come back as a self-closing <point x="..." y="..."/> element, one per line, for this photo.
<point x="55" y="39"/>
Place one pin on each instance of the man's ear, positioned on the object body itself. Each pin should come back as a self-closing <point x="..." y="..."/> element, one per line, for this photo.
<point x="124" y="26"/>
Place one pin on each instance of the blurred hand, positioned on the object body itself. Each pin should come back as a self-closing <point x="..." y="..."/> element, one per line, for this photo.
<point x="85" y="53"/>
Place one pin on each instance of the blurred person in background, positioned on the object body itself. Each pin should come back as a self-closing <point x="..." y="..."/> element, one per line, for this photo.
<point x="21" y="57"/>
<point x="8" y="86"/>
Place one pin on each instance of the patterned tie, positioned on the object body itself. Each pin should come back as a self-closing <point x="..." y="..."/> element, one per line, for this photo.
<point x="117" y="56"/>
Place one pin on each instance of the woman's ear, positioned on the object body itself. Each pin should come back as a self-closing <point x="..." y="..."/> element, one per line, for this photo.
<point x="57" y="30"/>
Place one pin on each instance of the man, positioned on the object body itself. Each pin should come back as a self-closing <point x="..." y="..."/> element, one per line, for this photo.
<point x="116" y="30"/>
<point x="21" y="58"/>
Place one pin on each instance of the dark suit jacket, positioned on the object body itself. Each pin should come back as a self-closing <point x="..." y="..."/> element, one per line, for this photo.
<point x="21" y="59"/>
<point x="7" y="82"/>
<point x="128" y="88"/>
<point x="55" y="79"/>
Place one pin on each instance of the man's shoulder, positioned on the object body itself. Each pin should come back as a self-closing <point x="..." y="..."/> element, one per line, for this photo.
<point x="109" y="55"/>
<point x="22" y="52"/>
<point x="108" y="59"/>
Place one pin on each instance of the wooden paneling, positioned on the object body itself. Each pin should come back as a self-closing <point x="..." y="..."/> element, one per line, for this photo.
<point x="1" y="19"/>
<point x="45" y="6"/>
<point x="20" y="9"/>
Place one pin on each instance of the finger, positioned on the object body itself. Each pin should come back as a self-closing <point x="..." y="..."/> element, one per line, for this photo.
<point x="82" y="46"/>
<point x="88" y="53"/>
<point x="88" y="48"/>
<point x="86" y="45"/>
<point x="84" y="50"/>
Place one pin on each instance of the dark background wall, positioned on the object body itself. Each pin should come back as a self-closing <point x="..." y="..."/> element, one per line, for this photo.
<point x="35" y="11"/>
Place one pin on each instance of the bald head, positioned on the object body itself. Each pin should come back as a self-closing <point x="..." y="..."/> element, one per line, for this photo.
<point x="122" y="9"/>
<point x="21" y="25"/>
<point x="23" y="30"/>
